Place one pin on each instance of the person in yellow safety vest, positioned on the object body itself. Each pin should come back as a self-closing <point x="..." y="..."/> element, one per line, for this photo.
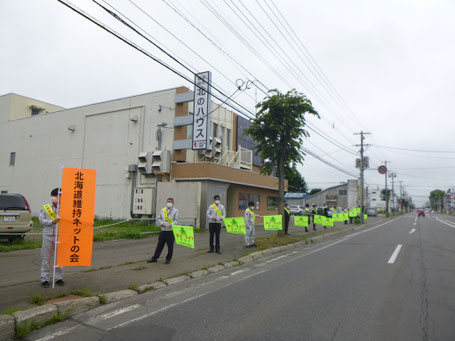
<point x="216" y="213"/>
<point x="169" y="216"/>
<point x="250" y="219"/>
<point x="307" y="213"/>
<point x="287" y="216"/>
<point x="48" y="217"/>
<point x="346" y="210"/>
<point x="314" y="212"/>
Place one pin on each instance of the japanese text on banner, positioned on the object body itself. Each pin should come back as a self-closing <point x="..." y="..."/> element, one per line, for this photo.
<point x="77" y="213"/>
<point x="235" y="225"/>
<point x="301" y="221"/>
<point x="184" y="235"/>
<point x="273" y="222"/>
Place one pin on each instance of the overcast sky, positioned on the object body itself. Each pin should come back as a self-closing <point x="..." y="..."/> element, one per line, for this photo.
<point x="391" y="63"/>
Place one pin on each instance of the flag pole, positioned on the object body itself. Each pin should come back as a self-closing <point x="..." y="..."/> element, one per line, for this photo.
<point x="56" y="228"/>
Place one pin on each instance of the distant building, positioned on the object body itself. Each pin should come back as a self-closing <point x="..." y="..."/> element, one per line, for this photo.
<point x="375" y="199"/>
<point x="120" y="139"/>
<point x="343" y="195"/>
<point x="296" y="198"/>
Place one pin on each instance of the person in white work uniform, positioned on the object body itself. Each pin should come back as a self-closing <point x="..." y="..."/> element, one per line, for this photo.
<point x="216" y="213"/>
<point x="48" y="217"/>
<point x="169" y="216"/>
<point x="250" y="219"/>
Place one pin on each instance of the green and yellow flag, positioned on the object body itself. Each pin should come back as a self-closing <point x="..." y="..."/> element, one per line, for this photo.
<point x="184" y="235"/>
<point x="301" y="221"/>
<point x="273" y="222"/>
<point x="235" y="225"/>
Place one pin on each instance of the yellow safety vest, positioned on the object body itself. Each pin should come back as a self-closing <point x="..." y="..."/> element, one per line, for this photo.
<point x="217" y="210"/>
<point x="287" y="210"/>
<point x="169" y="220"/>
<point x="50" y="212"/>
<point x="252" y="214"/>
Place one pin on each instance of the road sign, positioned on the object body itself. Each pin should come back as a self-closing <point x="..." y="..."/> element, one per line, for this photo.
<point x="382" y="169"/>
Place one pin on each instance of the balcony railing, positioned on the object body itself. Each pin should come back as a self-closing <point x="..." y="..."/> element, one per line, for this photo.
<point x="242" y="159"/>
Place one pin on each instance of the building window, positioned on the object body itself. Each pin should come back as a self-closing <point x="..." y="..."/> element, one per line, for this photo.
<point x="373" y="199"/>
<point x="215" y="130"/>
<point x="272" y="203"/>
<point x="228" y="138"/>
<point x="245" y="198"/>
<point x="12" y="159"/>
<point x="343" y="192"/>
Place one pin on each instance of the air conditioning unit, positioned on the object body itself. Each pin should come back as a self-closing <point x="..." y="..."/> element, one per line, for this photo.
<point x="145" y="163"/>
<point x="161" y="161"/>
<point x="216" y="148"/>
<point x="207" y="153"/>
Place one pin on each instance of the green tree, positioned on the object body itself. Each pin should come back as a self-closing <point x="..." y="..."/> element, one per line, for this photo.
<point x="296" y="182"/>
<point x="384" y="196"/>
<point x="279" y="129"/>
<point x="314" y="191"/>
<point x="436" y="199"/>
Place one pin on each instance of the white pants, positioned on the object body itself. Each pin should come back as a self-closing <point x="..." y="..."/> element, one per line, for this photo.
<point x="249" y="236"/>
<point x="47" y="261"/>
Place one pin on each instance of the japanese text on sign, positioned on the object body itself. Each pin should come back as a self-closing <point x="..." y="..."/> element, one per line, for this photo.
<point x="184" y="235"/>
<point x="301" y="221"/>
<point x="273" y="222"/>
<point x="201" y="112"/>
<point x="77" y="213"/>
<point x="235" y="225"/>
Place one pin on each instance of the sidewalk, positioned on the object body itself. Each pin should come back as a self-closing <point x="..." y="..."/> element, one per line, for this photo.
<point x="123" y="264"/>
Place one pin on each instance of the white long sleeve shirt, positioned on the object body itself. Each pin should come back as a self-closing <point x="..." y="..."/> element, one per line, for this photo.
<point x="173" y="214"/>
<point x="213" y="215"/>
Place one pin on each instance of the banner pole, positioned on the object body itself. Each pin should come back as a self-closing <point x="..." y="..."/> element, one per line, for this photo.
<point x="56" y="228"/>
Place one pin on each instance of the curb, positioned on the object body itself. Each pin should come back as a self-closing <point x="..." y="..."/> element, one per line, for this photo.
<point x="69" y="308"/>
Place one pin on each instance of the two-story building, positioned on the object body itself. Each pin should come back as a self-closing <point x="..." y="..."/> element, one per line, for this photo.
<point x="141" y="149"/>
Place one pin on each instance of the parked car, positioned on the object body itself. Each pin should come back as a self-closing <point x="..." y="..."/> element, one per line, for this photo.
<point x="295" y="210"/>
<point x="15" y="216"/>
<point x="371" y="212"/>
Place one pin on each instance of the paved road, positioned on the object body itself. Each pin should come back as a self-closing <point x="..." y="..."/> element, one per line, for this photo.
<point x="119" y="261"/>
<point x="364" y="286"/>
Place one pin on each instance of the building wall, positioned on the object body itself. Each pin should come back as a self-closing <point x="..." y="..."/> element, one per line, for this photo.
<point x="375" y="199"/>
<point x="104" y="138"/>
<point x="209" y="171"/>
<point x="234" y="192"/>
<point x="247" y="141"/>
<point x="346" y="195"/>
<point x="20" y="107"/>
<point x="187" y="198"/>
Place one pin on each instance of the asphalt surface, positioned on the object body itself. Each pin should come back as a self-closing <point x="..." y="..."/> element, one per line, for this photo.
<point x="359" y="287"/>
<point x="121" y="263"/>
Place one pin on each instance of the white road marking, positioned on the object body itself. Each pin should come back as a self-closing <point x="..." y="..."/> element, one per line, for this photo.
<point x="118" y="312"/>
<point x="412" y="231"/>
<point x="238" y="272"/>
<point x="448" y="223"/>
<point x="415" y="223"/>
<point x="139" y="318"/>
<point x="276" y="258"/>
<point x="395" y="254"/>
<point x="60" y="333"/>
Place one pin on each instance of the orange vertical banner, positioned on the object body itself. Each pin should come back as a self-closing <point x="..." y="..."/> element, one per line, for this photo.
<point x="77" y="213"/>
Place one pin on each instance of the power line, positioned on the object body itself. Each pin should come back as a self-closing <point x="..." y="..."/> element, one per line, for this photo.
<point x="148" y="54"/>
<point x="417" y="150"/>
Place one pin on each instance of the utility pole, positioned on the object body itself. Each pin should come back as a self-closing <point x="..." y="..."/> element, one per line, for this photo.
<point x="401" y="195"/>
<point x="386" y="195"/>
<point x="159" y="139"/>
<point x="393" y="175"/>
<point x="362" y="168"/>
